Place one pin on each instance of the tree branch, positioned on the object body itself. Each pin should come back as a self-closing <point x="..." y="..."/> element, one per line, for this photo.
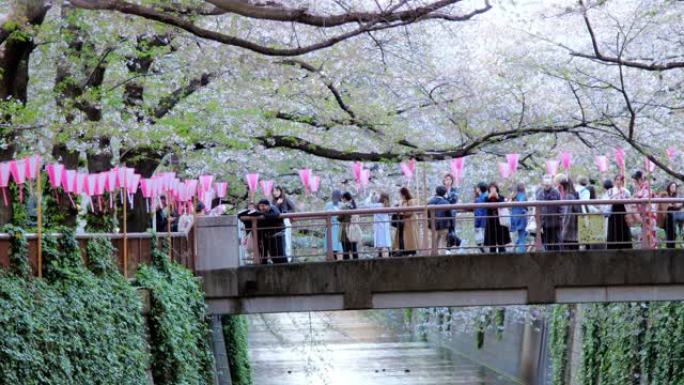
<point x="598" y="55"/>
<point x="376" y="24"/>
<point x="167" y="103"/>
<point x="303" y="145"/>
<point x="271" y="10"/>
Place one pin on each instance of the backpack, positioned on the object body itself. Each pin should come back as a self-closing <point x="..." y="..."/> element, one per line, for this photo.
<point x="354" y="233"/>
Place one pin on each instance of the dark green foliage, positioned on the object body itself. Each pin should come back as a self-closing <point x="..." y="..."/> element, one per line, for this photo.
<point x="19" y="262"/>
<point x="560" y="325"/>
<point x="76" y="328"/>
<point x="235" y="330"/>
<point x="62" y="256"/>
<point x="625" y="343"/>
<point x="178" y="328"/>
<point x="100" y="251"/>
<point x="20" y="211"/>
<point x="58" y="211"/>
<point x="102" y="222"/>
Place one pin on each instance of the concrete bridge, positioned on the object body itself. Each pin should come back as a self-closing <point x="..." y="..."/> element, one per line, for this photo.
<point x="412" y="282"/>
<point x="458" y="280"/>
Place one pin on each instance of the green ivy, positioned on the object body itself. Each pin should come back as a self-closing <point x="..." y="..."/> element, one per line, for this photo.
<point x="19" y="262"/>
<point x="560" y="325"/>
<point x="235" y="330"/>
<point x="178" y="327"/>
<point x="626" y="343"/>
<point x="75" y="328"/>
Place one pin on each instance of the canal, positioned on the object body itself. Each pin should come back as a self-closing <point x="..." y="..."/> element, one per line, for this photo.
<point x="349" y="348"/>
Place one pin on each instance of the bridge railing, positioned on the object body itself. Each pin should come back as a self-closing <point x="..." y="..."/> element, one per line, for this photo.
<point x="139" y="246"/>
<point x="463" y="228"/>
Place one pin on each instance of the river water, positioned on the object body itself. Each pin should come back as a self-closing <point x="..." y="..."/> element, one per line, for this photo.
<point x="348" y="348"/>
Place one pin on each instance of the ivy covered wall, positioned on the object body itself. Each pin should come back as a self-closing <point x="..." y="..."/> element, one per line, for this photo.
<point x="83" y="325"/>
<point x="625" y="343"/>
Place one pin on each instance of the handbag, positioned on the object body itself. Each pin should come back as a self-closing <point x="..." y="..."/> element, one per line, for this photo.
<point x="505" y="217"/>
<point x="354" y="233"/>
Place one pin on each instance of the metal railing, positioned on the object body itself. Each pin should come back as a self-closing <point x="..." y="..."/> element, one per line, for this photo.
<point x="427" y="230"/>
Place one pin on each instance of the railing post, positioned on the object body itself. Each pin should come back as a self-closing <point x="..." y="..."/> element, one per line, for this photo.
<point x="538" y="233"/>
<point x="426" y="231"/>
<point x="256" y="253"/>
<point x="329" y="255"/>
<point x="434" y="249"/>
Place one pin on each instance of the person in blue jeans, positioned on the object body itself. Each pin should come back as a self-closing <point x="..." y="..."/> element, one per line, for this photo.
<point x="519" y="218"/>
<point x="480" y="214"/>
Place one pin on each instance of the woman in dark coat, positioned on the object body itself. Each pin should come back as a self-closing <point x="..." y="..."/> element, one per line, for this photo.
<point x="495" y="234"/>
<point x="619" y="234"/>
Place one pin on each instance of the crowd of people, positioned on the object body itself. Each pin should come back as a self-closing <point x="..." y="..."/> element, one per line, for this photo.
<point x="497" y="229"/>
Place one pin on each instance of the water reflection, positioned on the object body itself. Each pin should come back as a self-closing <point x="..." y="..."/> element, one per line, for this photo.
<point x="347" y="348"/>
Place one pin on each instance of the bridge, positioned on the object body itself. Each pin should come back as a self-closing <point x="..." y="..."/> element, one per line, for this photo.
<point x="236" y="284"/>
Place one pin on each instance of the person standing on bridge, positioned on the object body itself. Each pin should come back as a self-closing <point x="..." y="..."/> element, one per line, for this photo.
<point x="350" y="231"/>
<point x="519" y="218"/>
<point x="569" y="213"/>
<point x="406" y="239"/>
<point x="550" y="215"/>
<point x="334" y="205"/>
<point x="496" y="236"/>
<point x="270" y="227"/>
<point x="619" y="235"/>
<point x="480" y="214"/>
<point x="452" y="196"/>
<point x="439" y="221"/>
<point x="285" y="205"/>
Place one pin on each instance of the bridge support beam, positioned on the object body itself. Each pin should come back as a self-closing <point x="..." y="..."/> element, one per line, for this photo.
<point x="221" y="360"/>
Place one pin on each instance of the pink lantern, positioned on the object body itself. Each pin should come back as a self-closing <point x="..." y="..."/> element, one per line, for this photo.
<point x="252" y="182"/>
<point x="566" y="160"/>
<point x="305" y="177"/>
<point x="406" y="170"/>
<point x="412" y="165"/>
<point x="120" y="176"/>
<point x="365" y="178"/>
<point x="512" y="161"/>
<point x="457" y="165"/>
<point x="357" y="167"/>
<point x="552" y="167"/>
<point x="205" y="182"/>
<point x="18" y="170"/>
<point x="4" y="180"/>
<point x="671" y="154"/>
<point x="33" y="165"/>
<point x="221" y="189"/>
<point x="68" y="180"/>
<point x="504" y="170"/>
<point x="191" y="188"/>
<point x="314" y="184"/>
<point x="54" y="171"/>
<point x="132" y="183"/>
<point x="602" y="163"/>
<point x="146" y="187"/>
<point x="649" y="166"/>
<point x="101" y="183"/>
<point x="267" y="187"/>
<point x="620" y="158"/>
<point x="79" y="183"/>
<point x="112" y="180"/>
<point x="90" y="184"/>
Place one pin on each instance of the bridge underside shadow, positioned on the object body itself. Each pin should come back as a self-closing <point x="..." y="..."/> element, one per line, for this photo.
<point x="458" y="280"/>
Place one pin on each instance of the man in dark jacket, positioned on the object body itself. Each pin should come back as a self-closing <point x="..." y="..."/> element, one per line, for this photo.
<point x="442" y="221"/>
<point x="270" y="231"/>
<point x="550" y="215"/>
